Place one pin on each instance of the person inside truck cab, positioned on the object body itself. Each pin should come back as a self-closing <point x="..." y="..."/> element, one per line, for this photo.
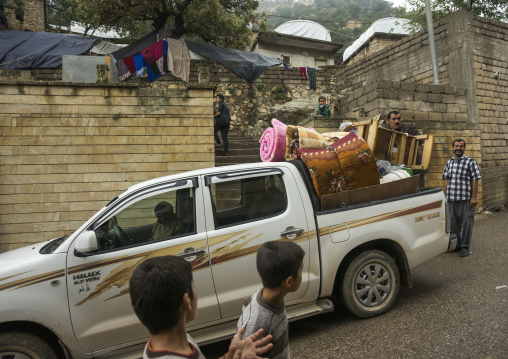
<point x="168" y="224"/>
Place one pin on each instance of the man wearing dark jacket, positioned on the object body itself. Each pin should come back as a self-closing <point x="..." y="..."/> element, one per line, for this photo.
<point x="221" y="121"/>
<point x="393" y="123"/>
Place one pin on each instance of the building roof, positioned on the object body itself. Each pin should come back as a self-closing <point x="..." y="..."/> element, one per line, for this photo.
<point x="392" y="26"/>
<point x="298" y="41"/>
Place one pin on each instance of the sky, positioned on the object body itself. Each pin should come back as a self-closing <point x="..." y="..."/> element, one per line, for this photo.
<point x="397" y="2"/>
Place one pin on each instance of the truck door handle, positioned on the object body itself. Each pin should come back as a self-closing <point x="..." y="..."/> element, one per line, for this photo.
<point x="291" y="232"/>
<point x="190" y="254"/>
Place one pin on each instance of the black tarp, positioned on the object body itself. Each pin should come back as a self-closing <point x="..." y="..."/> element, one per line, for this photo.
<point x="247" y="65"/>
<point x="21" y="49"/>
<point x="136" y="47"/>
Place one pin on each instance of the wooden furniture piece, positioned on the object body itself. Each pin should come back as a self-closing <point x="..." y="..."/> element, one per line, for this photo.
<point x="397" y="147"/>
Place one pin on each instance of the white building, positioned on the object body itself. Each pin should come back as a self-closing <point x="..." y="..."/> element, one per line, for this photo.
<point x="298" y="43"/>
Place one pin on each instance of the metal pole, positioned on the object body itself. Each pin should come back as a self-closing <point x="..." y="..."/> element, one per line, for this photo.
<point x="432" y="42"/>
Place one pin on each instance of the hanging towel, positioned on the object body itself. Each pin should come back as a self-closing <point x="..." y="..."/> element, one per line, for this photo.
<point x="312" y="76"/>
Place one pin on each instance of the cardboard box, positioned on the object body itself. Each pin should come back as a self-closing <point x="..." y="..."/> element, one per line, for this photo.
<point x="371" y="193"/>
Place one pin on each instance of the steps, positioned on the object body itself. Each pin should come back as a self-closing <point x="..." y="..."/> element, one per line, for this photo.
<point x="241" y="150"/>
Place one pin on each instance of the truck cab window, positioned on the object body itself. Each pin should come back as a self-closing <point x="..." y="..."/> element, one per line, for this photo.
<point x="159" y="217"/>
<point x="248" y="199"/>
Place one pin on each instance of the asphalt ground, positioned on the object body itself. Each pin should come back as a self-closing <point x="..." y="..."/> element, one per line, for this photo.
<point x="457" y="308"/>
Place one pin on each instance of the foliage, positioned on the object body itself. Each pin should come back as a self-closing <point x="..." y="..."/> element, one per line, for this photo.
<point x="494" y="9"/>
<point x="277" y="92"/>
<point x="232" y="91"/>
<point x="220" y="22"/>
<point x="260" y="87"/>
<point x="345" y="19"/>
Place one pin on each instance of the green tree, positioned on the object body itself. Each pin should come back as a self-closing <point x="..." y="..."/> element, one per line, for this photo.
<point x="494" y="9"/>
<point x="220" y="22"/>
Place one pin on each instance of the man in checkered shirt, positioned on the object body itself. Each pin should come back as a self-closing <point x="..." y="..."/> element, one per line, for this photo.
<point x="461" y="174"/>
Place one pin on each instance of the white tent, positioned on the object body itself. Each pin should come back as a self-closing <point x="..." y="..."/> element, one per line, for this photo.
<point x="304" y="28"/>
<point x="389" y="25"/>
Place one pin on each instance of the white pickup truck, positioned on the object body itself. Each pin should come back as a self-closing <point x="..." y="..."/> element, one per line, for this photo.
<point x="69" y="297"/>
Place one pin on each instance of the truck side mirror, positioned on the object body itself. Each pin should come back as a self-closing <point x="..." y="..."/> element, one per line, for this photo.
<point x="86" y="244"/>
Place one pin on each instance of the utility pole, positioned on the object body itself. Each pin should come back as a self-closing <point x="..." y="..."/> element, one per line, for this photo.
<point x="432" y="42"/>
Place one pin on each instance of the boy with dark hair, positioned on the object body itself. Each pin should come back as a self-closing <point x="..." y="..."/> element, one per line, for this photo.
<point x="163" y="296"/>
<point x="279" y="264"/>
<point x="323" y="108"/>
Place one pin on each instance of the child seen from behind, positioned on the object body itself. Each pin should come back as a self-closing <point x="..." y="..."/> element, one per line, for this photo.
<point x="279" y="265"/>
<point x="163" y="296"/>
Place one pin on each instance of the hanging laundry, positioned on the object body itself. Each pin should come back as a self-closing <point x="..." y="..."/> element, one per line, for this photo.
<point x="123" y="71"/>
<point x="129" y="62"/>
<point x="312" y="76"/>
<point x="303" y="73"/>
<point x="180" y="58"/>
<point x="153" y="72"/>
<point x="139" y="62"/>
<point x="286" y="67"/>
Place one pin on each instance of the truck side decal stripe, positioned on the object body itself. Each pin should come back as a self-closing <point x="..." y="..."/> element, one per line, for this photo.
<point x="33" y="280"/>
<point x="380" y="218"/>
<point x="223" y="248"/>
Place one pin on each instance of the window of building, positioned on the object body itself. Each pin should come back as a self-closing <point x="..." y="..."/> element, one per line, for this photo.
<point x="286" y="60"/>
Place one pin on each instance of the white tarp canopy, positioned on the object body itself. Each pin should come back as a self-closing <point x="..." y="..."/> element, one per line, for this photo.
<point x="389" y="25"/>
<point x="101" y="32"/>
<point x="304" y="28"/>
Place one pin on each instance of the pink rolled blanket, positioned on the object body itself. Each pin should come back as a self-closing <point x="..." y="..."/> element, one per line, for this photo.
<point x="273" y="142"/>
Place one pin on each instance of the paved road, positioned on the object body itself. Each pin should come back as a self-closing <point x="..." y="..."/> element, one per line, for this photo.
<point x="454" y="310"/>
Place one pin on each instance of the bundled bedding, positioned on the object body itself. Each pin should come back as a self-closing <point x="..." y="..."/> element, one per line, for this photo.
<point x="337" y="161"/>
<point x="273" y="142"/>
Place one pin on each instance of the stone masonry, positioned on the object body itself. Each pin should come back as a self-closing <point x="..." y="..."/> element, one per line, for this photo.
<point x="33" y="19"/>
<point x="66" y="150"/>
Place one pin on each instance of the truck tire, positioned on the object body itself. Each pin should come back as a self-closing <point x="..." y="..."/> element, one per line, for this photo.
<point x="18" y="345"/>
<point x="370" y="284"/>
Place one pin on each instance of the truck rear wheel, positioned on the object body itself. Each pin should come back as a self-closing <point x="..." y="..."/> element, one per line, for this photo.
<point x="370" y="284"/>
<point x="18" y="345"/>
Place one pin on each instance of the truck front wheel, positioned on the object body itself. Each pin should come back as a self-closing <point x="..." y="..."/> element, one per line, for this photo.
<point x="17" y="345"/>
<point x="370" y="284"/>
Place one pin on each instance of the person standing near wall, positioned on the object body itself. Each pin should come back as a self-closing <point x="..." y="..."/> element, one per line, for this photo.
<point x="461" y="175"/>
<point x="393" y="122"/>
<point x="221" y="123"/>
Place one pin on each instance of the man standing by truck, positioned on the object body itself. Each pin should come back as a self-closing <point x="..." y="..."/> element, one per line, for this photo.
<point x="461" y="175"/>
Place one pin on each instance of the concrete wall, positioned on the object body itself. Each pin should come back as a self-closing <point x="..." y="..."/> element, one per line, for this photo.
<point x="66" y="150"/>
<point x="299" y="57"/>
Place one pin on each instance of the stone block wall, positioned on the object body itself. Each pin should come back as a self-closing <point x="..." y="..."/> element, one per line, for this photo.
<point x="34" y="18"/>
<point x="471" y="55"/>
<point x="66" y="150"/>
<point x="376" y="43"/>
<point x="490" y="73"/>
<point x="246" y="101"/>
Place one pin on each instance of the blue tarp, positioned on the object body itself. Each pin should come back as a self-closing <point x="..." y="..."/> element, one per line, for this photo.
<point x="21" y="50"/>
<point x="247" y="65"/>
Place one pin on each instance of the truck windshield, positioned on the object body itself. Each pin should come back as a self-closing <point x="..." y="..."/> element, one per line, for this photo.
<point x="53" y="245"/>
